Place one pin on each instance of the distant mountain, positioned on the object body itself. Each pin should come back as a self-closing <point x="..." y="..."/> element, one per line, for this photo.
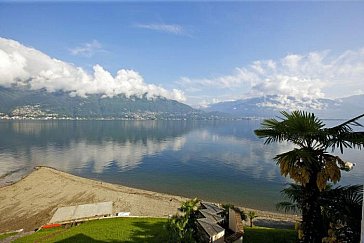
<point x="39" y="103"/>
<point x="15" y="101"/>
<point x="270" y="106"/>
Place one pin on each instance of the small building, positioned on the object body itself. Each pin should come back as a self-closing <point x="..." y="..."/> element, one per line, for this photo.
<point x="82" y="212"/>
<point x="212" y="231"/>
<point x="211" y="208"/>
<point x="211" y="222"/>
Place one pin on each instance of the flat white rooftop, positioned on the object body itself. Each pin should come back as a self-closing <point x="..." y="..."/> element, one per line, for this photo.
<point x="84" y="211"/>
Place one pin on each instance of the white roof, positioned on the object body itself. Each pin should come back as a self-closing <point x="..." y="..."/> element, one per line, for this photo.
<point x="84" y="211"/>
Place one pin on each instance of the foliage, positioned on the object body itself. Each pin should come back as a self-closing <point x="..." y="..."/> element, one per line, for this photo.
<point x="309" y="164"/>
<point x="340" y="208"/>
<point x="106" y="230"/>
<point x="190" y="206"/>
<point x="178" y="230"/>
<point x="269" y="235"/>
<point x="308" y="132"/>
<point x="181" y="228"/>
<point x="252" y="215"/>
<point x="295" y="201"/>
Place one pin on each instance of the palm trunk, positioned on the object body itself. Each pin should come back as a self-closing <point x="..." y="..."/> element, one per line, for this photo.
<point x="312" y="223"/>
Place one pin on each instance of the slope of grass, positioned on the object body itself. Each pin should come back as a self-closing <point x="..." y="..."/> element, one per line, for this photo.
<point x="6" y="235"/>
<point x="106" y="230"/>
<point x="269" y="235"/>
<point x="141" y="230"/>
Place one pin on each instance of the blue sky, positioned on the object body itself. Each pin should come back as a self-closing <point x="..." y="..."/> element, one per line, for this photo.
<point x="210" y="51"/>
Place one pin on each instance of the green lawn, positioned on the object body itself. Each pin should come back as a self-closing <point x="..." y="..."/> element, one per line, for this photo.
<point x="141" y="230"/>
<point x="269" y="235"/>
<point x="106" y="230"/>
<point x="6" y="235"/>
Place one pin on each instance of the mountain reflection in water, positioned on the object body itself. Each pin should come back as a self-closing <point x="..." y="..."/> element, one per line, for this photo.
<point x="217" y="160"/>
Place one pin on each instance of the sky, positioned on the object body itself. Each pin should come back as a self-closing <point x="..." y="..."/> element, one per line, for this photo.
<point x="194" y="52"/>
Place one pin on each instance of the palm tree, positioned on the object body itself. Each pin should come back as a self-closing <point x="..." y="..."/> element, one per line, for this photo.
<point x="252" y="215"/>
<point x="309" y="164"/>
<point x="190" y="206"/>
<point x="181" y="228"/>
<point x="341" y="209"/>
<point x="178" y="229"/>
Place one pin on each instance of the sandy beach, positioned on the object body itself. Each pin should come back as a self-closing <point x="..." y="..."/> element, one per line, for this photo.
<point x="32" y="201"/>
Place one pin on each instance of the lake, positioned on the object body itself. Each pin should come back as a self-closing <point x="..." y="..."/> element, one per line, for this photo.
<point x="220" y="161"/>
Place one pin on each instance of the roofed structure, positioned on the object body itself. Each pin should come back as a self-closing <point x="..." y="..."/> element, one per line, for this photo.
<point x="209" y="222"/>
<point x="212" y="208"/>
<point x="214" y="231"/>
<point x="211" y="217"/>
<point x="81" y="212"/>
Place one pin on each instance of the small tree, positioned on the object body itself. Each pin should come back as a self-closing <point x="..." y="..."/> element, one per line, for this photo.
<point x="181" y="228"/>
<point x="189" y="208"/>
<point x="178" y="230"/>
<point x="252" y="215"/>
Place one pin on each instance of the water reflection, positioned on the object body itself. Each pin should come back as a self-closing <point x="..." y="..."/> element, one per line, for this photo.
<point x="219" y="161"/>
<point x="70" y="146"/>
<point x="242" y="154"/>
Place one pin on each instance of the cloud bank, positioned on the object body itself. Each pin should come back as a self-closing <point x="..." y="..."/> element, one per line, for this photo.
<point x="25" y="66"/>
<point x="305" y="77"/>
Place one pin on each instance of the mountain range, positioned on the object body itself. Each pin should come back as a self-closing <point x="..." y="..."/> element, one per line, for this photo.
<point x="269" y="106"/>
<point x="17" y="101"/>
<point x="24" y="102"/>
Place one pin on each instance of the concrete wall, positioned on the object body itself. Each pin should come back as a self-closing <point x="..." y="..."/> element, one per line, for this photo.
<point x="219" y="238"/>
<point x="235" y="222"/>
<point x="232" y="220"/>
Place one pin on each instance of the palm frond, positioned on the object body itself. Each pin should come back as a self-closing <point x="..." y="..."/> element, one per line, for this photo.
<point x="344" y="195"/>
<point x="301" y="157"/>
<point x="299" y="127"/>
<point x="273" y="130"/>
<point x="352" y="121"/>
<point x="342" y="136"/>
<point x="288" y="207"/>
<point x="293" y="192"/>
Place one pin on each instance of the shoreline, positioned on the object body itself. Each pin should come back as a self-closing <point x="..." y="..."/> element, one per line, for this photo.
<point x="32" y="201"/>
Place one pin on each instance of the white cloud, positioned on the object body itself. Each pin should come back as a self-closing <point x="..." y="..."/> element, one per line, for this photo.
<point x="305" y="77"/>
<point x="21" y="65"/>
<point x="87" y="49"/>
<point x="167" y="28"/>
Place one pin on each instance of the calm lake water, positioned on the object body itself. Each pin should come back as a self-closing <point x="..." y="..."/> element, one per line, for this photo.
<point x="219" y="161"/>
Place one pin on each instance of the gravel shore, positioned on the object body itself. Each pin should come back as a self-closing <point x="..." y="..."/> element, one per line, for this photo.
<point x="32" y="201"/>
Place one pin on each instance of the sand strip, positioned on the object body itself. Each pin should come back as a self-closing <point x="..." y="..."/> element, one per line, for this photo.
<point x="32" y="201"/>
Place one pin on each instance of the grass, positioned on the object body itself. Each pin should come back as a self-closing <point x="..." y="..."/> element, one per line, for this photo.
<point x="6" y="235"/>
<point x="269" y="235"/>
<point x="106" y="230"/>
<point x="141" y="230"/>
